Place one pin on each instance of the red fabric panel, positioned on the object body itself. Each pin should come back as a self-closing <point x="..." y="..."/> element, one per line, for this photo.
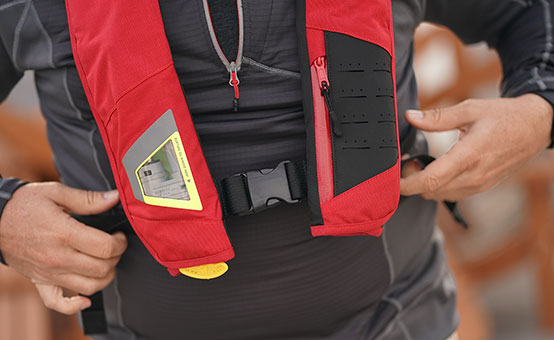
<point x="363" y="209"/>
<point x="125" y="64"/>
<point x="121" y="43"/>
<point x="316" y="43"/>
<point x="368" y="20"/>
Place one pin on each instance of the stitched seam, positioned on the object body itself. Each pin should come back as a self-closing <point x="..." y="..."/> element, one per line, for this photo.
<point x="535" y="76"/>
<point x="548" y="28"/>
<point x="11" y="4"/>
<point x="95" y="157"/>
<point x="533" y="80"/>
<point x="401" y="309"/>
<point x="119" y="308"/>
<point x="523" y="3"/>
<point x="538" y="80"/>
<point x="17" y="35"/>
<point x="46" y="35"/>
<point x="164" y="221"/>
<point x="268" y="28"/>
<point x="393" y="302"/>
<point x="91" y="133"/>
<point x="270" y="69"/>
<point x="145" y="79"/>
<point x="388" y="255"/>
<point x="404" y="330"/>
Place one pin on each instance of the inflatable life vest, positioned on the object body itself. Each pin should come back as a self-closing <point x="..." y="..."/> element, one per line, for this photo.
<point x="352" y="169"/>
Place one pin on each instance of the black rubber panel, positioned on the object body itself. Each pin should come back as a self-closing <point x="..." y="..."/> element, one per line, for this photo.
<point x="361" y="86"/>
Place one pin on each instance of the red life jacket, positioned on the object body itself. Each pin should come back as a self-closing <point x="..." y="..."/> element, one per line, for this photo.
<point x="352" y="156"/>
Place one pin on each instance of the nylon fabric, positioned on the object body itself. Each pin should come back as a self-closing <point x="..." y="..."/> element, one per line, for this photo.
<point x="363" y="209"/>
<point x="136" y="89"/>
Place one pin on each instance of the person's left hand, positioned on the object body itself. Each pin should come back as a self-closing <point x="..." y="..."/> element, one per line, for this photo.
<point x="496" y="137"/>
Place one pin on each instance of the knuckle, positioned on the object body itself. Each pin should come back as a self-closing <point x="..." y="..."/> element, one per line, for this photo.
<point x="426" y="196"/>
<point x="49" y="302"/>
<point x="436" y="115"/>
<point x="106" y="250"/>
<point x="104" y="270"/>
<point x="90" y="198"/>
<point x="480" y="182"/>
<point x="471" y="160"/>
<point x="110" y="275"/>
<point x="89" y="288"/>
<point x="55" y="187"/>
<point x="431" y="183"/>
<point x="468" y="104"/>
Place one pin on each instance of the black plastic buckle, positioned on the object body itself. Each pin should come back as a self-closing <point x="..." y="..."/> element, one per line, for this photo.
<point x="268" y="187"/>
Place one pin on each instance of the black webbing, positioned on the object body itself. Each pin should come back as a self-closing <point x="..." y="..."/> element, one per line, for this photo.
<point x="296" y="175"/>
<point x="425" y="160"/>
<point x="235" y="198"/>
<point x="235" y="193"/>
<point x="94" y="317"/>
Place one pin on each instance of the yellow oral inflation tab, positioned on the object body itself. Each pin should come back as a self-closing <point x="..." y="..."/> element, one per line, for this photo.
<point x="206" y="271"/>
<point x="165" y="178"/>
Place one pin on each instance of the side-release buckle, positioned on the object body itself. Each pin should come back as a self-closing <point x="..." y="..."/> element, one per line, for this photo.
<point x="268" y="187"/>
<point x="254" y="191"/>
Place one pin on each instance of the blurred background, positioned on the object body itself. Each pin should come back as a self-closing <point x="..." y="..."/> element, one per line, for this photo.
<point x="504" y="263"/>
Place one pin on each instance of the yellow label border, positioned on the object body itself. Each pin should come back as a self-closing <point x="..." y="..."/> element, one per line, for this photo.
<point x="194" y="203"/>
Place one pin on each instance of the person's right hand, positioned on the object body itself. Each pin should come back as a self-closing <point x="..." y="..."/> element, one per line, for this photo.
<point x="39" y="239"/>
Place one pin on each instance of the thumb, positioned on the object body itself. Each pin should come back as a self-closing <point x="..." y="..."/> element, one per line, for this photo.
<point x="440" y="119"/>
<point x="85" y="202"/>
<point x="52" y="297"/>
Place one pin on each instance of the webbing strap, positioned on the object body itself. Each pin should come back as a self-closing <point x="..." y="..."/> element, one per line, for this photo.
<point x="425" y="160"/>
<point x="94" y="317"/>
<point x="254" y="191"/>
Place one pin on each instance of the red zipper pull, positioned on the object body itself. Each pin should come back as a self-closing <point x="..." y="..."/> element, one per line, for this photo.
<point x="321" y="69"/>
<point x="234" y="82"/>
<point x="323" y="79"/>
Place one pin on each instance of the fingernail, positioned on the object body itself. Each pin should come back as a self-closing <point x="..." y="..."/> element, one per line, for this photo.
<point x="111" y="195"/>
<point x="415" y="114"/>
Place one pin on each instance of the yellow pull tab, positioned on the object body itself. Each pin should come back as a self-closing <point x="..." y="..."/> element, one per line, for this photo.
<point x="206" y="271"/>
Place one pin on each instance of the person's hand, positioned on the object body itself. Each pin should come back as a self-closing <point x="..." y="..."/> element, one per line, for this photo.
<point x="39" y="239"/>
<point x="496" y="137"/>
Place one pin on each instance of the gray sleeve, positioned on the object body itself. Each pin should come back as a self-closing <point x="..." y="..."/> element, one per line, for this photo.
<point x="9" y="76"/>
<point x="520" y="30"/>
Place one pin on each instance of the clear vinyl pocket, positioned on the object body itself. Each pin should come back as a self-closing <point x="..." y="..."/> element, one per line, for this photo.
<point x="165" y="178"/>
<point x="158" y="168"/>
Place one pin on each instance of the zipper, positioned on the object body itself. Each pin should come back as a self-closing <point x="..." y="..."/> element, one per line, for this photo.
<point x="320" y="65"/>
<point x="233" y="67"/>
